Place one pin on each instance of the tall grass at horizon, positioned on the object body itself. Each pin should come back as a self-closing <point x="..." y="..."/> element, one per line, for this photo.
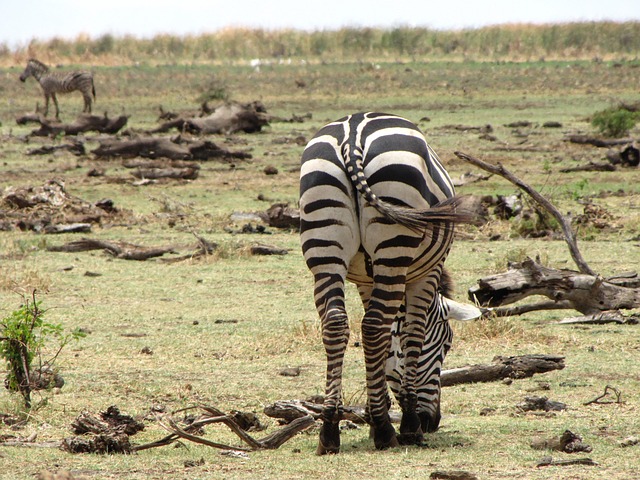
<point x="508" y="42"/>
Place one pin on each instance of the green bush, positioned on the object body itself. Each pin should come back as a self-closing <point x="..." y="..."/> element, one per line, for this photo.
<point x="614" y="122"/>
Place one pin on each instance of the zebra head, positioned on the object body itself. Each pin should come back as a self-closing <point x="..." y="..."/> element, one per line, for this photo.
<point x="34" y="67"/>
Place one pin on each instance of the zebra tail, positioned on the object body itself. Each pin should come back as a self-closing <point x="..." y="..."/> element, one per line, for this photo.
<point x="93" y="89"/>
<point x="448" y="211"/>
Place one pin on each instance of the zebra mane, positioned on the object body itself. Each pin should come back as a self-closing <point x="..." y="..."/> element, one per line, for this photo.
<point x="38" y="64"/>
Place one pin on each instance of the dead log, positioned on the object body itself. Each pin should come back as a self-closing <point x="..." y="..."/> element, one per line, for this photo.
<point x="168" y="172"/>
<point x="228" y="118"/>
<point x="121" y="250"/>
<point x="281" y="215"/>
<point x="614" y="316"/>
<point x="550" y="462"/>
<point x="596" y="141"/>
<point x="590" y="167"/>
<point x="67" y="228"/>
<point x="516" y="367"/>
<point x="263" y="249"/>
<point x="629" y="156"/>
<point x="83" y="123"/>
<point x="76" y="148"/>
<point x="162" y="147"/>
<point x="588" y="294"/>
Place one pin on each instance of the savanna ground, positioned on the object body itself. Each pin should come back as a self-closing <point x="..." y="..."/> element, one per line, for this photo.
<point x="221" y="328"/>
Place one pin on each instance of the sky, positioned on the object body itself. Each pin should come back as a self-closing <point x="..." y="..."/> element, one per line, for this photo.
<point x="22" y="21"/>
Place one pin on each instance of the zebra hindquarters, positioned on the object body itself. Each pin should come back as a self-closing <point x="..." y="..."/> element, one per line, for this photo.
<point x="330" y="239"/>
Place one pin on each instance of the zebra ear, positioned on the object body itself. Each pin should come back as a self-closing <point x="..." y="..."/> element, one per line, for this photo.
<point x="462" y="311"/>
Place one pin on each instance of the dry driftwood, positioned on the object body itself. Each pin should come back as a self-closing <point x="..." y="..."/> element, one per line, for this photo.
<point x="83" y="123"/>
<point x="588" y="294"/>
<point x="550" y="462"/>
<point x="122" y="250"/>
<point x="522" y="366"/>
<point x="167" y="172"/>
<point x="590" y="167"/>
<point x="228" y="118"/>
<point x="281" y="215"/>
<point x="596" y="141"/>
<point x="76" y="148"/>
<point x="161" y="147"/>
<point x="213" y="415"/>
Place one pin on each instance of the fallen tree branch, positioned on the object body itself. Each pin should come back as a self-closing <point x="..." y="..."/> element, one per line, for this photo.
<point x="550" y="462"/>
<point x="84" y="123"/>
<point x="521" y="366"/>
<point x="213" y="415"/>
<point x="543" y="202"/>
<point x="588" y="294"/>
<point x="607" y="390"/>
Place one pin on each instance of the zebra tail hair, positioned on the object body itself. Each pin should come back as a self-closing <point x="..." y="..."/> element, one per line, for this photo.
<point x="448" y="211"/>
<point x="93" y="89"/>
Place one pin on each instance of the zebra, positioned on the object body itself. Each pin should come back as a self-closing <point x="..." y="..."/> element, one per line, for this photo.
<point x="436" y="346"/>
<point x="60" y="82"/>
<point x="377" y="208"/>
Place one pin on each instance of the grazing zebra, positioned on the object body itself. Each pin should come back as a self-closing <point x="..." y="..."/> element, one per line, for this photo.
<point x="376" y="208"/>
<point x="436" y="345"/>
<point x="60" y="82"/>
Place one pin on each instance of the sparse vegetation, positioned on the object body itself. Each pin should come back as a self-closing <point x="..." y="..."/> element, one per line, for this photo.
<point x="218" y="329"/>
<point x="614" y="122"/>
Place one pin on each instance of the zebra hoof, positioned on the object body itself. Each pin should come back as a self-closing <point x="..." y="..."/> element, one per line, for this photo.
<point x="384" y="436"/>
<point x="416" y="438"/>
<point x="329" y="442"/>
<point x="429" y="423"/>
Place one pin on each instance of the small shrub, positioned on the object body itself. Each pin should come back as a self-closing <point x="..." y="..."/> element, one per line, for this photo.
<point x="23" y="336"/>
<point x="614" y="122"/>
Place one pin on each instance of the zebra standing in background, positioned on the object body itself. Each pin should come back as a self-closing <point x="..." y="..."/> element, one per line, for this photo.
<point x="60" y="82"/>
<point x="376" y="208"/>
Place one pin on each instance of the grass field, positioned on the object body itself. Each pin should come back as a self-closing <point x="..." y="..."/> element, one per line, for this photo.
<point x="221" y="328"/>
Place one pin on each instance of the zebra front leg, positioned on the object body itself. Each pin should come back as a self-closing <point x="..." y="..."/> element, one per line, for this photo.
<point x="335" y="337"/>
<point x="87" y="103"/>
<point x="46" y="105"/>
<point x="376" y="339"/>
<point x="55" y="102"/>
<point x="419" y="297"/>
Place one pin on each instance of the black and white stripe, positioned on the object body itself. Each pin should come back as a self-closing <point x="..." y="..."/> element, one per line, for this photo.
<point x="437" y="343"/>
<point x="60" y="82"/>
<point x="376" y="208"/>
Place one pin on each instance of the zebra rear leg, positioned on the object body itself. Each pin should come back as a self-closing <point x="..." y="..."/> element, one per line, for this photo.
<point x="87" y="103"/>
<point x="335" y="336"/>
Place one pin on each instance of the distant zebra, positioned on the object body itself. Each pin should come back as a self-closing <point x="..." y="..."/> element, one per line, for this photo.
<point x="376" y="208"/>
<point x="60" y="82"/>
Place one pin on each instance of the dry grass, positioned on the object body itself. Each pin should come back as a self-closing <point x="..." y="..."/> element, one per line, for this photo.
<point x="222" y="327"/>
